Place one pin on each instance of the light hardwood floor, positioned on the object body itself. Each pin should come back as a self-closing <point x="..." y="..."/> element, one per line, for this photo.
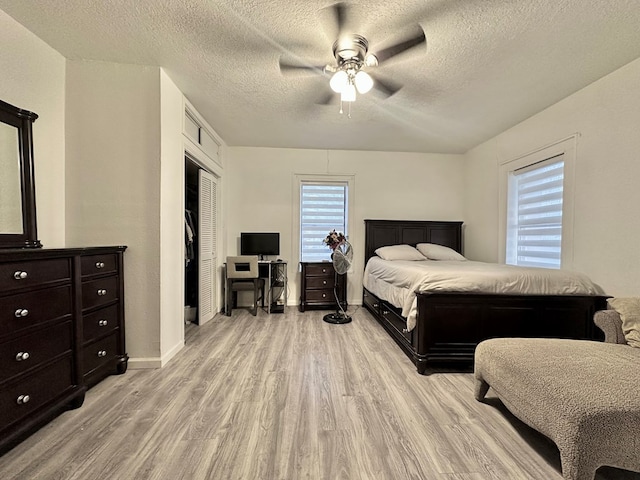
<point x="287" y="397"/>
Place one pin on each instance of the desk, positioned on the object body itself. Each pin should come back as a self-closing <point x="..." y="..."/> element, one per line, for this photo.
<point x="275" y="279"/>
<point x="275" y="275"/>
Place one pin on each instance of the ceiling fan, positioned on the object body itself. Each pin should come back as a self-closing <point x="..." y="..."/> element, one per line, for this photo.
<point x="351" y="71"/>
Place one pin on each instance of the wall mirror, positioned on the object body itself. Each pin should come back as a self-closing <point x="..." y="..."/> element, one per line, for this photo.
<point x="17" y="189"/>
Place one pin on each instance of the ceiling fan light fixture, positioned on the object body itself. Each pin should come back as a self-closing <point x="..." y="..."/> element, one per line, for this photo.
<point x="339" y="81"/>
<point x="348" y="94"/>
<point x="363" y="81"/>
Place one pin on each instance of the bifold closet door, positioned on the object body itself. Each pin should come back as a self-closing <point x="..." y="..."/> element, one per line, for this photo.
<point x="207" y="226"/>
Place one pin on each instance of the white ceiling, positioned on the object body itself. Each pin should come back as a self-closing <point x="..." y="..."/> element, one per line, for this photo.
<point x="487" y="65"/>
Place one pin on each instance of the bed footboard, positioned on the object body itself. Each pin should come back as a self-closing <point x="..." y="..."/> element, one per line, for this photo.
<point x="450" y="325"/>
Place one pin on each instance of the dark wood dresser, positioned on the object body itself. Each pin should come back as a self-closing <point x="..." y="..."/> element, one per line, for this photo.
<point x="61" y="331"/>
<point x="318" y="280"/>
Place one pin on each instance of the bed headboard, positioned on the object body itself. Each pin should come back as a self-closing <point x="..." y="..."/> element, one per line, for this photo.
<point x="380" y="233"/>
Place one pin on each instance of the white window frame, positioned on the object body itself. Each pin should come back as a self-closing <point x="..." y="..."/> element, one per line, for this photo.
<point x="298" y="180"/>
<point x="566" y="147"/>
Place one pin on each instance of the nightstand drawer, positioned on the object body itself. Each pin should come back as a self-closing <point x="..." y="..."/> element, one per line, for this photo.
<point x="319" y="270"/>
<point x="20" y="399"/>
<point x="99" y="292"/>
<point x="100" y="322"/>
<point x="18" y="275"/>
<point x="320" y="282"/>
<point x="25" y="310"/>
<point x="23" y="353"/>
<point x="98" y="264"/>
<point x="324" y="295"/>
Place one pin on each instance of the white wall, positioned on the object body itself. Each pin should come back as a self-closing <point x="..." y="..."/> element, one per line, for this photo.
<point x="259" y="195"/>
<point x="171" y="219"/>
<point x="32" y="77"/>
<point x="606" y="115"/>
<point x="113" y="183"/>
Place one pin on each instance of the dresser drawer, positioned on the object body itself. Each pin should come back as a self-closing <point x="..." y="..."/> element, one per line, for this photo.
<point x="319" y="270"/>
<point x="23" y="353"/>
<point x="100" y="352"/>
<point x="320" y="282"/>
<point x="17" y="275"/>
<point x="100" y="322"/>
<point x="21" y="398"/>
<point x="98" y="264"/>
<point x="25" y="310"/>
<point x="99" y="292"/>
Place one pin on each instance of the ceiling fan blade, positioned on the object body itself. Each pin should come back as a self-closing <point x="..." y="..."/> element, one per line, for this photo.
<point x="329" y="98"/>
<point x="334" y="19"/>
<point x="385" y="87"/>
<point x="400" y="47"/>
<point x="286" y="67"/>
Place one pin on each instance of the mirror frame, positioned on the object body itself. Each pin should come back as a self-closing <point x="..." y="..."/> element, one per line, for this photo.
<point x="23" y="121"/>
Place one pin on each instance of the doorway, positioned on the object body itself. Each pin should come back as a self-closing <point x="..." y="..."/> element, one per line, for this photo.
<point x="201" y="233"/>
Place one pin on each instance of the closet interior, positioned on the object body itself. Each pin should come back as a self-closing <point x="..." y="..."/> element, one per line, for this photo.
<point x="191" y="242"/>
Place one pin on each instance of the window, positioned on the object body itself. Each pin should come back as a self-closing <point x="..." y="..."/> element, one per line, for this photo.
<point x="536" y="203"/>
<point x="323" y="207"/>
<point x="534" y="214"/>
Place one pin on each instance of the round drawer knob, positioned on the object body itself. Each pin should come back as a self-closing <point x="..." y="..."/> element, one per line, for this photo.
<point x="20" y="275"/>
<point x="22" y="399"/>
<point x="102" y="353"/>
<point x="21" y="356"/>
<point x="99" y="264"/>
<point x="102" y="323"/>
<point x="21" y="312"/>
<point x="324" y="295"/>
<point x="102" y="292"/>
<point x="324" y="282"/>
<point x="324" y="270"/>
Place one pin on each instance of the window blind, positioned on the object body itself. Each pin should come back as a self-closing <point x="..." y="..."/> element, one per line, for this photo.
<point x="534" y="218"/>
<point x="323" y="207"/>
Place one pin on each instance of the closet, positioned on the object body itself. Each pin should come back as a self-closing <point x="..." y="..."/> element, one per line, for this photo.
<point x="200" y="243"/>
<point x="191" y="238"/>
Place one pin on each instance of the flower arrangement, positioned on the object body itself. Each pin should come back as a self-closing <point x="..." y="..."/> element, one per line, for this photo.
<point x="334" y="239"/>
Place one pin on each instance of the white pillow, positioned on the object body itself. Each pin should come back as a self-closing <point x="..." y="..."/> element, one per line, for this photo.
<point x="399" y="252"/>
<point x="438" y="252"/>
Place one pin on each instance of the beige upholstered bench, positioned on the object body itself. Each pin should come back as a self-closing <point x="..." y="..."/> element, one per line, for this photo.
<point x="583" y="395"/>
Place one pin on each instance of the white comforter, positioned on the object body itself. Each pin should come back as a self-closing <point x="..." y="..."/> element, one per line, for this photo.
<point x="397" y="281"/>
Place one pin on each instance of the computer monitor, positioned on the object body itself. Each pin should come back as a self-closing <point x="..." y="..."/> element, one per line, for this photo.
<point x="259" y="243"/>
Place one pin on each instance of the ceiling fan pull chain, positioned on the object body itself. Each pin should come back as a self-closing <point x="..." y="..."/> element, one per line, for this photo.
<point x="341" y="112"/>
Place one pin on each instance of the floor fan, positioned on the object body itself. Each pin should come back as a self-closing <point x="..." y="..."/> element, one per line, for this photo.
<point x="341" y="257"/>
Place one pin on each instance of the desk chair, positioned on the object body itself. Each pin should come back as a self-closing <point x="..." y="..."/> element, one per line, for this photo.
<point x="242" y="274"/>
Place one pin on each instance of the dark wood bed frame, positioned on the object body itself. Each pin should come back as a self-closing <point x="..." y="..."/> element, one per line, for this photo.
<point x="450" y="325"/>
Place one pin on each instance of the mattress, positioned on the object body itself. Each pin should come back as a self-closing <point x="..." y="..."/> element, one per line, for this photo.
<point x="398" y="281"/>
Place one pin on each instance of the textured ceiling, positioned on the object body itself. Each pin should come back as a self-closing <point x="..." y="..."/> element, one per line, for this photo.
<point x="487" y="65"/>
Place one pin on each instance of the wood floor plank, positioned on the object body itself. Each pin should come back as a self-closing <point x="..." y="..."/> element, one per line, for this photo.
<point x="287" y="396"/>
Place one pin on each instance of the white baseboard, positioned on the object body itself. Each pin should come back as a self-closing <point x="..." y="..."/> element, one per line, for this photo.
<point x="140" y="363"/>
<point x="172" y="353"/>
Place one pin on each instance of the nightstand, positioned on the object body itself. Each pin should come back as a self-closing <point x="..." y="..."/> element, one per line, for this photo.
<point x="318" y="280"/>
